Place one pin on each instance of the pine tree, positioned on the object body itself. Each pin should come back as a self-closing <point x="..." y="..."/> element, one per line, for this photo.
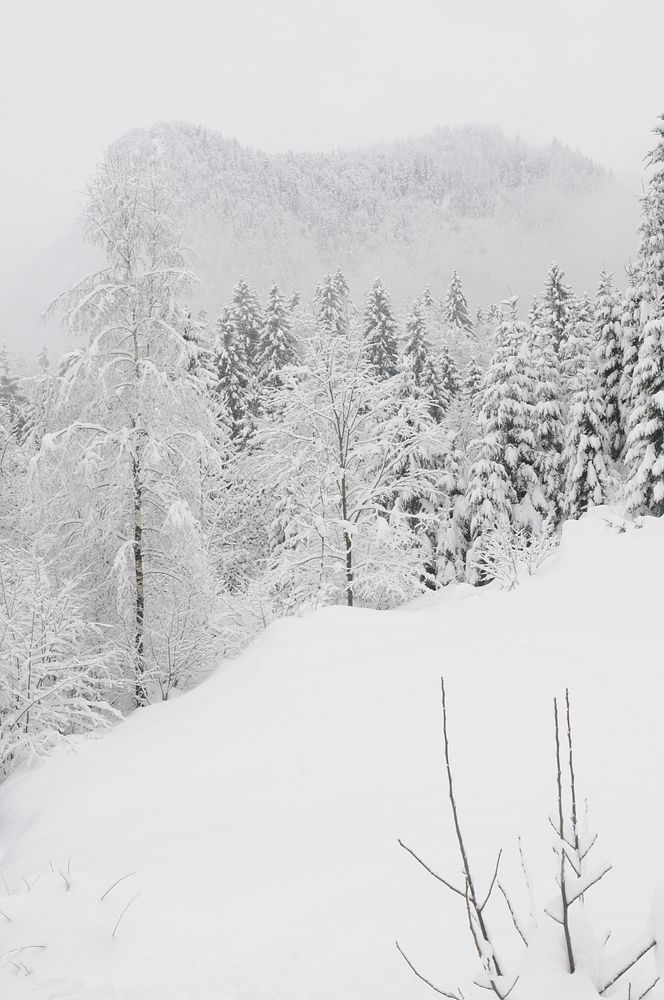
<point x="608" y="336"/>
<point x="456" y="307"/>
<point x="548" y="421"/>
<point x="380" y="341"/>
<point x="418" y="359"/>
<point x="630" y="324"/>
<point x="276" y="347"/>
<point x="586" y="447"/>
<point x="645" y="442"/>
<point x="233" y="386"/>
<point x="556" y="305"/>
<point x="509" y="423"/>
<point x="427" y="298"/>
<point x="580" y="343"/>
<point x="248" y="319"/>
<point x="448" y="374"/>
<point x="331" y="305"/>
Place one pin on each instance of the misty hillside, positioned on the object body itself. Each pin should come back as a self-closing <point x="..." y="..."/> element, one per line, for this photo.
<point x="493" y="207"/>
<point x="472" y="198"/>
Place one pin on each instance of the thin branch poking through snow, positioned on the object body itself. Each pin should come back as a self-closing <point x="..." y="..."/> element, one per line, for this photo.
<point x="132" y="900"/>
<point x="443" y="993"/>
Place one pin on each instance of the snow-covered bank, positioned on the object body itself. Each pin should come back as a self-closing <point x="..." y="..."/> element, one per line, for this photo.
<point x="258" y="815"/>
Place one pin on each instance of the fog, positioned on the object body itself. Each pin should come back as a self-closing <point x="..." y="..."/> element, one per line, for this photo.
<point x="300" y="74"/>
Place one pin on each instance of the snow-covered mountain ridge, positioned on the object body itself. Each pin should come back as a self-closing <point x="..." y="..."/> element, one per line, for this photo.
<point x="258" y="815"/>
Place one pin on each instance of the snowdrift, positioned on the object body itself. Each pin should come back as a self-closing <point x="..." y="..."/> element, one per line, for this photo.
<point x="253" y="823"/>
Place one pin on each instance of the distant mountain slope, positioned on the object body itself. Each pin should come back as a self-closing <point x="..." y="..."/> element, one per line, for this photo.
<point x="472" y="198"/>
<point x="495" y="208"/>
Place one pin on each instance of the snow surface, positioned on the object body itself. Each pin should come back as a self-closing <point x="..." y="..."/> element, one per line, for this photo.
<point x="258" y="815"/>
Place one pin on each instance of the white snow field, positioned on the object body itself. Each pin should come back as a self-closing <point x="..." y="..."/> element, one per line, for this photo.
<point x="258" y="815"/>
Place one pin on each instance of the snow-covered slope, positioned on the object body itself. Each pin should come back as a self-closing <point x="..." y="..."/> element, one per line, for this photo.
<point x="258" y="815"/>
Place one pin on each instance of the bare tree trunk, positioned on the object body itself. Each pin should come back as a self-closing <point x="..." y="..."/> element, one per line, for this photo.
<point x="141" y="694"/>
<point x="348" y="543"/>
<point x="140" y="691"/>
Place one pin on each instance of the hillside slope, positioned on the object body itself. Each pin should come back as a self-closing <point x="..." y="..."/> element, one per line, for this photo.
<point x="471" y="198"/>
<point x="258" y="815"/>
<point x="497" y="209"/>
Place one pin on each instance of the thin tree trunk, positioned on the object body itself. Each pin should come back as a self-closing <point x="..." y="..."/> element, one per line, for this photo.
<point x="140" y="691"/>
<point x="348" y="543"/>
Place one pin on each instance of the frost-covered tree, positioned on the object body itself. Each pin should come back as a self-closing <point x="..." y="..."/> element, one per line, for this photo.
<point x="232" y="387"/>
<point x="630" y="324"/>
<point x="331" y="305"/>
<point x="608" y="337"/>
<point x="556" y="303"/>
<point x="580" y="343"/>
<point x="419" y="360"/>
<point x="509" y="426"/>
<point x="332" y="462"/>
<point x="133" y="437"/>
<point x="276" y="348"/>
<point x="245" y="313"/>
<point x="456" y="307"/>
<point x="547" y="419"/>
<point x="447" y="373"/>
<point x="380" y="339"/>
<point x="645" y="442"/>
<point x="586" y="447"/>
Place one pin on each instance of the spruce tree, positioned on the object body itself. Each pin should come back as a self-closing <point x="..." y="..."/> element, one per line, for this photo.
<point x="609" y="340"/>
<point x="456" y="307"/>
<point x="419" y="361"/>
<point x="586" y="447"/>
<point x="331" y="305"/>
<point x="645" y="442"/>
<point x="247" y="317"/>
<point x="508" y="424"/>
<point x="380" y="342"/>
<point x="630" y="324"/>
<point x="547" y="419"/>
<point x="232" y="381"/>
<point x="276" y="347"/>
<point x="580" y="342"/>
<point x="448" y="374"/>
<point x="556" y="306"/>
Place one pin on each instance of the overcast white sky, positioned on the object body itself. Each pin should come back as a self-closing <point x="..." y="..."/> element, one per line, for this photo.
<point x="278" y="74"/>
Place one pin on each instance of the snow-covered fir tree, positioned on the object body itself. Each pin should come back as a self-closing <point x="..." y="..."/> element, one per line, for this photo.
<point x="276" y="348"/>
<point x="331" y="304"/>
<point x="456" y="307"/>
<point x="233" y="386"/>
<point x="630" y="325"/>
<point x="645" y="442"/>
<point x="586" y="446"/>
<point x="509" y="426"/>
<point x="555" y="306"/>
<point x="419" y="360"/>
<point x="245" y="312"/>
<point x="547" y="419"/>
<point x="379" y="332"/>
<point x="608" y="337"/>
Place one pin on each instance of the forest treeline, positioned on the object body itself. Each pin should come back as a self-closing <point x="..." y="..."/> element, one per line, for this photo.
<point x="180" y="480"/>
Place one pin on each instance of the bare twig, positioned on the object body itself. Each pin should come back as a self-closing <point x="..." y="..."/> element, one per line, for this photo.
<point x="561" y="825"/>
<point x="517" y="926"/>
<point x="626" y="968"/>
<point x="65" y="880"/>
<point x="132" y="900"/>
<point x="443" y="993"/>
<point x="493" y="880"/>
<point x="590" y="884"/>
<point x="648" y="989"/>
<point x="471" y="894"/>
<point x="412" y="853"/>
<point x="117" y="882"/>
